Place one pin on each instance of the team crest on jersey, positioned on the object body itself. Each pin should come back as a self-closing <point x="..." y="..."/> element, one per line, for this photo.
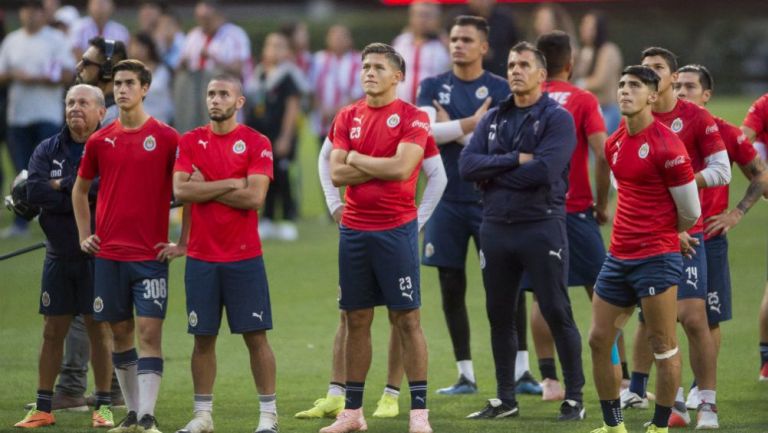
<point x="677" y="125"/>
<point x="192" y="318"/>
<point x="481" y="92"/>
<point x="393" y="120"/>
<point x="150" y="143"/>
<point x="643" y="151"/>
<point x="482" y="260"/>
<point x="45" y="299"/>
<point x="429" y="250"/>
<point x="239" y="147"/>
<point x="98" y="304"/>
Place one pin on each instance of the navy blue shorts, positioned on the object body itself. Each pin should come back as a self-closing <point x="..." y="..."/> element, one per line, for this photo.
<point x="239" y="286"/>
<point x="119" y="286"/>
<point x="718" y="280"/>
<point x="586" y="251"/>
<point x="447" y="234"/>
<point x="624" y="282"/>
<point x="693" y="282"/>
<point x="379" y="267"/>
<point x="67" y="287"/>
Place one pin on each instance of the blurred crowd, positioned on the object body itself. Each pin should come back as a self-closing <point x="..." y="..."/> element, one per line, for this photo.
<point x="287" y="85"/>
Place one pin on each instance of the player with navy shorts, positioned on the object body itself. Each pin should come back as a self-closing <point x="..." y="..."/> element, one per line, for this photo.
<point x="755" y="127"/>
<point x="657" y="199"/>
<point x="709" y="158"/>
<point x="134" y="159"/>
<point x="695" y="83"/>
<point x="519" y="157"/>
<point x="584" y="214"/>
<point x="67" y="280"/>
<point x="223" y="169"/>
<point x="378" y="149"/>
<point x="460" y="96"/>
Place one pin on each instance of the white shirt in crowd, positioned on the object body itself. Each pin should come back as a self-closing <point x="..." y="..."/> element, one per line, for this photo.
<point x="229" y="44"/>
<point x="45" y="53"/>
<point x="335" y="82"/>
<point x="159" y="100"/>
<point x="86" y="29"/>
<point x="423" y="60"/>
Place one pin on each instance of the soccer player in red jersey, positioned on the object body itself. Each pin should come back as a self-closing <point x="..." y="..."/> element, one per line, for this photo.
<point x="584" y="213"/>
<point x="224" y="170"/>
<point x="378" y="148"/>
<point x="698" y="131"/>
<point x="657" y="199"/>
<point x="755" y="127"/>
<point x="695" y="83"/>
<point x="134" y="159"/>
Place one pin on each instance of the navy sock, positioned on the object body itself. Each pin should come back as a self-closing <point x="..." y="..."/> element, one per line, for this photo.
<point x="612" y="415"/>
<point x="638" y="383"/>
<point x="150" y="365"/>
<point x="125" y="359"/>
<point x="624" y="371"/>
<point x="547" y="368"/>
<point x="354" y="398"/>
<point x="418" y="394"/>
<point x="693" y="384"/>
<point x="103" y="399"/>
<point x="44" y="399"/>
<point x="763" y="352"/>
<point x="661" y="415"/>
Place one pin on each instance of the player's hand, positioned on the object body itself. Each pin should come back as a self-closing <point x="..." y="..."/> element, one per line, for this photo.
<point x="349" y="160"/>
<point x="525" y="157"/>
<point x="55" y="184"/>
<point x="483" y="109"/>
<point x="723" y="222"/>
<point x="169" y="251"/>
<point x="687" y="244"/>
<point x="441" y="115"/>
<point x="601" y="214"/>
<point x="197" y="175"/>
<point x="337" y="214"/>
<point x="91" y="244"/>
<point x="282" y="147"/>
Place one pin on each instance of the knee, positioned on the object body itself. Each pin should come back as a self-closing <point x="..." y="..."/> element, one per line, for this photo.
<point x="53" y="333"/>
<point x="408" y="323"/>
<point x="255" y="340"/>
<point x="662" y="344"/>
<point x="600" y="340"/>
<point x="557" y="315"/>
<point x="357" y="320"/>
<point x="204" y="345"/>
<point x="694" y="322"/>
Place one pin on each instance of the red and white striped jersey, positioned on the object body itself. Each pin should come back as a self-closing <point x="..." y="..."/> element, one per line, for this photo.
<point x="422" y="60"/>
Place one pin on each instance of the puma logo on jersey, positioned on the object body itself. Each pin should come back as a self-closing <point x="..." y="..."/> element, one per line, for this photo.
<point x="693" y="284"/>
<point x="556" y="254"/>
<point x="408" y="295"/>
<point x="59" y="163"/>
<point x="159" y="304"/>
<point x="111" y="140"/>
<point x="203" y="143"/>
<point x="447" y="87"/>
<point x="358" y="120"/>
<point x="259" y="315"/>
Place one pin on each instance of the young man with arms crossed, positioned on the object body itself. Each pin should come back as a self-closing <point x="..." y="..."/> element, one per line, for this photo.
<point x="134" y="158"/>
<point x="378" y="148"/>
<point x="224" y="170"/>
<point x="695" y="84"/>
<point x="658" y="199"/>
<point x="709" y="159"/>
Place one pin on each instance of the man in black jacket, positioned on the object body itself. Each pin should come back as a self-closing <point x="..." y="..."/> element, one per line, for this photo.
<point x="519" y="157"/>
<point x="67" y="283"/>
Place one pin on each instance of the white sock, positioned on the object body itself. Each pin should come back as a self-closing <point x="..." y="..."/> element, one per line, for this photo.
<point x="129" y="383"/>
<point x="707" y="396"/>
<point x="336" y="390"/>
<point x="466" y="369"/>
<point x="680" y="394"/>
<point x="521" y="364"/>
<point x="149" y="387"/>
<point x="392" y="391"/>
<point x="203" y="403"/>
<point x="268" y="405"/>
<point x="266" y="420"/>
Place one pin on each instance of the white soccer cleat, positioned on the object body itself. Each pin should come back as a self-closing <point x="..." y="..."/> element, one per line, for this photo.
<point x="693" y="401"/>
<point x="201" y="423"/>
<point x="706" y="417"/>
<point x="630" y="400"/>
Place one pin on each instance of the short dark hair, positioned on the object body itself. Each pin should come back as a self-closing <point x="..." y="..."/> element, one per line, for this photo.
<point x="388" y="51"/>
<point x="149" y="42"/>
<point x="527" y="46"/>
<point x="159" y="4"/>
<point x="705" y="77"/>
<point x="229" y="78"/>
<point x="133" y="65"/>
<point x="119" y="53"/>
<point x="477" y="22"/>
<point x="648" y="76"/>
<point x="664" y="53"/>
<point x="556" y="47"/>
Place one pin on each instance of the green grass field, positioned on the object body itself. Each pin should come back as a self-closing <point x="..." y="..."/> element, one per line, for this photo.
<point x="303" y="281"/>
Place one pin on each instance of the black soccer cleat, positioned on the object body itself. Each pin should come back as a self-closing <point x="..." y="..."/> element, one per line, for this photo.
<point x="572" y="410"/>
<point x="495" y="409"/>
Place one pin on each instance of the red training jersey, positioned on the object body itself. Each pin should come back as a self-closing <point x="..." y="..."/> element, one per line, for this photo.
<point x="740" y="151"/>
<point x="135" y="167"/>
<point x="377" y="131"/>
<point x="757" y="119"/>
<point x="645" y="166"/>
<point x="221" y="233"/>
<point x="585" y="110"/>
<point x="698" y="130"/>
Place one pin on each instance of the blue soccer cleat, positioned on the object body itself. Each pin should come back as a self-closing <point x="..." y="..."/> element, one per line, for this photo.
<point x="527" y="385"/>
<point x="463" y="386"/>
